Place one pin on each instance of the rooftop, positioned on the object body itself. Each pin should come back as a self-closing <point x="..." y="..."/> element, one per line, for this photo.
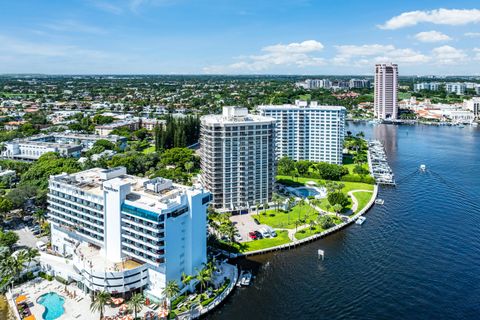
<point x="313" y="105"/>
<point x="93" y="258"/>
<point x="157" y="193"/>
<point x="232" y="115"/>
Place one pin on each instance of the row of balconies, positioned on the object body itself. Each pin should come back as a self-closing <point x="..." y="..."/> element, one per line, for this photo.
<point x="80" y="220"/>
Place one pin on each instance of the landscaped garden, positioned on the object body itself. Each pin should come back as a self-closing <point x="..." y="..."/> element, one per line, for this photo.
<point x="242" y="247"/>
<point x="322" y="224"/>
<point x="297" y="215"/>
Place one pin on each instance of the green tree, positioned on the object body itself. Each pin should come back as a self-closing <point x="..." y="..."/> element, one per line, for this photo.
<point x="338" y="197"/>
<point x="8" y="239"/>
<point x="136" y="303"/>
<point x="99" y="302"/>
<point x="5" y="206"/>
<point x="302" y="167"/>
<point x="286" y="166"/>
<point x="171" y="289"/>
<point x="337" y="208"/>
<point x="203" y="277"/>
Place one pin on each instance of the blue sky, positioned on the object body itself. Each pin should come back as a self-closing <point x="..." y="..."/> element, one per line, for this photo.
<point x="239" y="37"/>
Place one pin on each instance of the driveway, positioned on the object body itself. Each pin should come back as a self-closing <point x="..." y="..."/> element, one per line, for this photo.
<point x="27" y="238"/>
<point x="245" y="224"/>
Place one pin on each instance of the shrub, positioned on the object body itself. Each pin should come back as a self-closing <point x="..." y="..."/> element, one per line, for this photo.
<point x="207" y="302"/>
<point x="61" y="280"/>
<point x="45" y="276"/>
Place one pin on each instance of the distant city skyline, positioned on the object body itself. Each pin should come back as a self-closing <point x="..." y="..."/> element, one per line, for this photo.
<point x="248" y="37"/>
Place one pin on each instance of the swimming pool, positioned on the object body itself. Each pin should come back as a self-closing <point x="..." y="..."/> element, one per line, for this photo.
<point x="307" y="192"/>
<point x="53" y="304"/>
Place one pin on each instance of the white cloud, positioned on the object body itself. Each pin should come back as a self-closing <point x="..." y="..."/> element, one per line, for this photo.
<point x="353" y="55"/>
<point x="477" y="53"/>
<point x="432" y="36"/>
<point x="448" y="55"/>
<point x="27" y="49"/>
<point x="297" y="54"/>
<point x="438" y="16"/>
<point x="472" y="34"/>
<point x="107" y="7"/>
<point x="74" y="26"/>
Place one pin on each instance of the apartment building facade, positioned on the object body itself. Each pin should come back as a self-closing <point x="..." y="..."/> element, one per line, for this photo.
<point x="385" y="93"/>
<point x="308" y="131"/>
<point x="238" y="158"/>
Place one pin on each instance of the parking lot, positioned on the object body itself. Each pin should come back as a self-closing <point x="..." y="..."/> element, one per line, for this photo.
<point x="245" y="224"/>
<point x="27" y="238"/>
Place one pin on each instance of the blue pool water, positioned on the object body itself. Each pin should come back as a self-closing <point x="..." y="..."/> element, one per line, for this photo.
<point x="307" y="192"/>
<point x="53" y="304"/>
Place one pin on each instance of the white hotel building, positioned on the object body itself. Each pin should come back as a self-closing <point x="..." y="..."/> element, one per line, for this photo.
<point x="308" y="131"/>
<point x="121" y="233"/>
<point x="238" y="159"/>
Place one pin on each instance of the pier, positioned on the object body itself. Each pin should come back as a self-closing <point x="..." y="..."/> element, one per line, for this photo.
<point x="377" y="161"/>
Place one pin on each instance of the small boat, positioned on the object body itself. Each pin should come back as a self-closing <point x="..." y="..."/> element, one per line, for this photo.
<point x="240" y="278"/>
<point x="379" y="201"/>
<point x="423" y="167"/>
<point x="360" y="220"/>
<point x="247" y="277"/>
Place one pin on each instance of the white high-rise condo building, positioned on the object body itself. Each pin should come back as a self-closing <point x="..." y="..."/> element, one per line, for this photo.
<point x="121" y="233"/>
<point x="238" y="158"/>
<point x="474" y="106"/>
<point x="432" y="86"/>
<point x="386" y="85"/>
<point x="308" y="131"/>
<point x="458" y="88"/>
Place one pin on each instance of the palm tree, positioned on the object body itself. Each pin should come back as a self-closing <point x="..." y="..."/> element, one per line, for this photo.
<point x="136" y="303"/>
<point x="39" y="215"/>
<point x="30" y="255"/>
<point x="186" y="279"/>
<point x="337" y="208"/>
<point x="203" y="277"/>
<point x="291" y="202"/>
<point x="171" y="289"/>
<point x="99" y="302"/>
<point x="188" y="166"/>
<point x="276" y="200"/>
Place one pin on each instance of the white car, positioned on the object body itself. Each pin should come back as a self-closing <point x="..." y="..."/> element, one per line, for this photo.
<point x="238" y="237"/>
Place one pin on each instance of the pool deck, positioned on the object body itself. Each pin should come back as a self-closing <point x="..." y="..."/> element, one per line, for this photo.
<point x="75" y="309"/>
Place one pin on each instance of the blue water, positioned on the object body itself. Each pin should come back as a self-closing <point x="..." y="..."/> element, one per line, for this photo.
<point x="416" y="257"/>
<point x="53" y="304"/>
<point x="307" y="192"/>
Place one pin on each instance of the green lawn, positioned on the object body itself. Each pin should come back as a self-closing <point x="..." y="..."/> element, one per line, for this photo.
<point x="150" y="149"/>
<point x="363" y="198"/>
<point x="349" y="186"/>
<point x="286" y="220"/>
<point x="253" y="245"/>
<point x="307" y="232"/>
<point x="281" y="238"/>
<point x="323" y="204"/>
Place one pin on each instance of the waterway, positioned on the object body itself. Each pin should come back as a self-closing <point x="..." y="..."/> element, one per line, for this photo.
<point x="416" y="257"/>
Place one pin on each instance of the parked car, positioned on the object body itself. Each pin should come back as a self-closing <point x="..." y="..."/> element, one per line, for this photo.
<point x="264" y="232"/>
<point x="272" y="232"/>
<point x="252" y="235"/>
<point x="259" y="235"/>
<point x="238" y="237"/>
<point x="41" y="245"/>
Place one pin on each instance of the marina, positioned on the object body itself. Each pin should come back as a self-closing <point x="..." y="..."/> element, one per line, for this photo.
<point x="377" y="161"/>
